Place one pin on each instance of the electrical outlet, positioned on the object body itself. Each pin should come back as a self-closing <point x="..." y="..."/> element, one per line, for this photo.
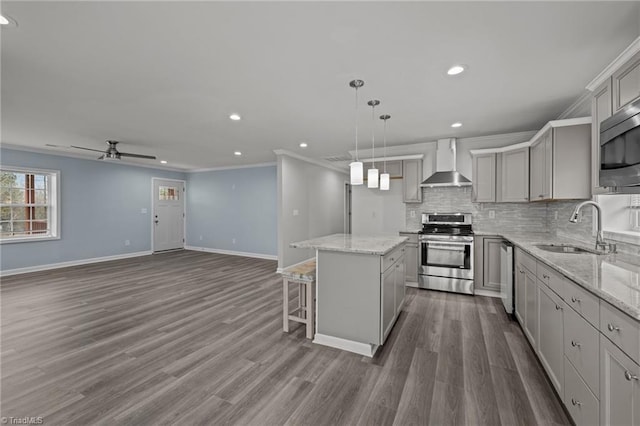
<point x="200" y="237"/>
<point x="233" y="241"/>
<point x="127" y="242"/>
<point x="492" y="214"/>
<point x="555" y="215"/>
<point x="412" y="213"/>
<point x="143" y="211"/>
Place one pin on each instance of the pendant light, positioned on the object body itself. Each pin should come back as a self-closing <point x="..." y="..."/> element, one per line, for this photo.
<point x="372" y="174"/>
<point x="355" y="167"/>
<point x="384" y="177"/>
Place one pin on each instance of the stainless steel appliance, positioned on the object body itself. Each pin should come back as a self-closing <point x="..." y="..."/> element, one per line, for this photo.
<point x="506" y="276"/>
<point x="446" y="252"/>
<point x="620" y="150"/>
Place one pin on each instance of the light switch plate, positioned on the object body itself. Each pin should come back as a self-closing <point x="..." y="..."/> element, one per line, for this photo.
<point x="492" y="214"/>
<point x="296" y="212"/>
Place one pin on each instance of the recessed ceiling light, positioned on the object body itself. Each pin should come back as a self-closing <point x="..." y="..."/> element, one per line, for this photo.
<point x="457" y="124"/>
<point x="7" y="21"/>
<point x="455" y="70"/>
<point x="235" y="117"/>
<point x="163" y="161"/>
<point x="303" y="145"/>
<point x="238" y="153"/>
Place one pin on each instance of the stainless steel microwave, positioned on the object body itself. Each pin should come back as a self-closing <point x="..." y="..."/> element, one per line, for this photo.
<point x="620" y="150"/>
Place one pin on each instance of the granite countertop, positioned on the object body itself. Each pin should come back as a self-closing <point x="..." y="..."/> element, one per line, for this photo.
<point x="614" y="278"/>
<point x="366" y="244"/>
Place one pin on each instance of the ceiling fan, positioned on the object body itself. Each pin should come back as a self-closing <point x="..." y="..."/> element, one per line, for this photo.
<point x="111" y="153"/>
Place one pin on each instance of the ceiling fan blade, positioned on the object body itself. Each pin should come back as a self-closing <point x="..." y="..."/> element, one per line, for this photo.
<point x="101" y="157"/>
<point x="56" y="146"/>
<point x="126" y="154"/>
<point x="88" y="149"/>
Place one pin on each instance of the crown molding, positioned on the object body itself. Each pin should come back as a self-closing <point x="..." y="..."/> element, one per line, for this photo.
<point x="501" y="149"/>
<point x="583" y="100"/>
<point x="321" y="163"/>
<point x="622" y="58"/>
<point x="244" y="166"/>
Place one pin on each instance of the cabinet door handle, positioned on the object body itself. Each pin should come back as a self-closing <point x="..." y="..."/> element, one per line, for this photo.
<point x="541" y="195"/>
<point x="630" y="376"/>
<point x="574" y="343"/>
<point x="612" y="327"/>
<point x="545" y="276"/>
<point x="575" y="300"/>
<point x="558" y="308"/>
<point x="522" y="272"/>
<point x="575" y="402"/>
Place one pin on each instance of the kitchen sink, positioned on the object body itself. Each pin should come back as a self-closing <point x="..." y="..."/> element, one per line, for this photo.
<point x="566" y="248"/>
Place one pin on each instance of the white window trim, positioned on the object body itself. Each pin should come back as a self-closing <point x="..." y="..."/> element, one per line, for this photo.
<point x="54" y="210"/>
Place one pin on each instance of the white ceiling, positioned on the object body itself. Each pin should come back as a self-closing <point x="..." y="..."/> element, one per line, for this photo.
<point x="163" y="77"/>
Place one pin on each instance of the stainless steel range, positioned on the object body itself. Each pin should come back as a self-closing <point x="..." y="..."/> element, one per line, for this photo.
<point x="446" y="252"/>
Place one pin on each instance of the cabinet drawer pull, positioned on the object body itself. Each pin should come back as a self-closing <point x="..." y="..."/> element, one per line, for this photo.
<point x="540" y="196"/>
<point x="575" y="300"/>
<point x="575" y="402"/>
<point x="574" y="343"/>
<point x="558" y="307"/>
<point x="545" y="276"/>
<point x="612" y="327"/>
<point x="522" y="272"/>
<point x="630" y="376"/>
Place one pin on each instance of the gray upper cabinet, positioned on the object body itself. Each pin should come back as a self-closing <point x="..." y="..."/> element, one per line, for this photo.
<point x="515" y="176"/>
<point x="411" y="178"/>
<point x="625" y="83"/>
<point x="484" y="178"/>
<point x="601" y="109"/>
<point x="561" y="161"/>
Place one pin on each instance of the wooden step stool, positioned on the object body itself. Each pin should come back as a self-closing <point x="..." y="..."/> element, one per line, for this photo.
<point x="303" y="274"/>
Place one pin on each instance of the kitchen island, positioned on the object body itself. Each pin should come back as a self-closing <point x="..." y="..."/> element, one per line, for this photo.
<point x="360" y="289"/>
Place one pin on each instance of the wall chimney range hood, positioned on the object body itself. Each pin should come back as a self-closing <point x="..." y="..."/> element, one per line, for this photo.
<point x="446" y="174"/>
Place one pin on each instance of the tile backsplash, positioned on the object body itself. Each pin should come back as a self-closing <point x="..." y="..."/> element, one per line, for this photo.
<point x="552" y="217"/>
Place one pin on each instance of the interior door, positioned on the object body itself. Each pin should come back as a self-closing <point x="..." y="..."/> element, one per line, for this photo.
<point x="168" y="214"/>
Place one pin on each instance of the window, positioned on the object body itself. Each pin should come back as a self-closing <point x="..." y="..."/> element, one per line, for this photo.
<point x="28" y="204"/>
<point x="169" y="193"/>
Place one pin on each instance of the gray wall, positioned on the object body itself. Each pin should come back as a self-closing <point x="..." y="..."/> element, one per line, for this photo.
<point x="100" y="208"/>
<point x="235" y="204"/>
<point x="377" y="212"/>
<point x="310" y="204"/>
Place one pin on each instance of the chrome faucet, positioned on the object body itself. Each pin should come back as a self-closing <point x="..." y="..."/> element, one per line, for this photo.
<point x="600" y="243"/>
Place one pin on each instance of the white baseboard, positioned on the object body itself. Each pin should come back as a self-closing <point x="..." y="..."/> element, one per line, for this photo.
<point x="49" y="266"/>
<point x="366" y="349"/>
<point x="232" y="253"/>
<point x="486" y="293"/>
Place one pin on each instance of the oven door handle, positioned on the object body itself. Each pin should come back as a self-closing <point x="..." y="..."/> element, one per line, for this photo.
<point x="448" y="246"/>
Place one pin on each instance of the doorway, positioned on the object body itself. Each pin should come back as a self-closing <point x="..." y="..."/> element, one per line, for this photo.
<point x="347" y="208"/>
<point x="168" y="216"/>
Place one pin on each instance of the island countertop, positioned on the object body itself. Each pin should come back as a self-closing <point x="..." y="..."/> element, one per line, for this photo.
<point x="365" y="244"/>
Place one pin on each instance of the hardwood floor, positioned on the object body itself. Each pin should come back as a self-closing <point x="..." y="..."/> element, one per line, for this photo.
<point x="196" y="338"/>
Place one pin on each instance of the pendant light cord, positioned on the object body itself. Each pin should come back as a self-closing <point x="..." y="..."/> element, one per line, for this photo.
<point x="356" y="123"/>
<point x="373" y="134"/>
<point x="384" y="139"/>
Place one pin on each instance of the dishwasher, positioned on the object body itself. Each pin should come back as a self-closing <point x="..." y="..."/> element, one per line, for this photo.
<point x="506" y="276"/>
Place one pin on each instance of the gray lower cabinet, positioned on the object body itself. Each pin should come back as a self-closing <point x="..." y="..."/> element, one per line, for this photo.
<point x="486" y="263"/>
<point x="520" y="293"/>
<point x="550" y="335"/>
<point x="388" y="300"/>
<point x="581" y="403"/>
<point x="619" y="387"/>
<point x="531" y="307"/>
<point x="360" y="295"/>
<point x="411" y="257"/>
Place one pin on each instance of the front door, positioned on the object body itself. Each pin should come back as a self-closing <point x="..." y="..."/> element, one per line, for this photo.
<point x="168" y="214"/>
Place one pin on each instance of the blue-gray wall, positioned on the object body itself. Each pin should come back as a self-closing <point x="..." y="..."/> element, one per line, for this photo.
<point x="239" y="204"/>
<point x="100" y="208"/>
